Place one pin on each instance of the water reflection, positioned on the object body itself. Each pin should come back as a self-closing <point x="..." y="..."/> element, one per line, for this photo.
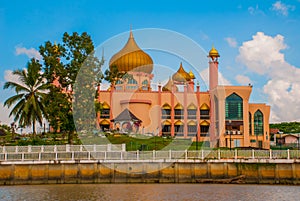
<point x="145" y="192"/>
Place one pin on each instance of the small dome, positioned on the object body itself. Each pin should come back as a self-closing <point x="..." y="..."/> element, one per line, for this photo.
<point x="168" y="86"/>
<point x="181" y="75"/>
<point x="132" y="58"/>
<point x="192" y="75"/>
<point x="213" y="52"/>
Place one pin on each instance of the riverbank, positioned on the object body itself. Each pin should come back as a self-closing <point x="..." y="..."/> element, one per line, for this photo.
<point x="80" y="172"/>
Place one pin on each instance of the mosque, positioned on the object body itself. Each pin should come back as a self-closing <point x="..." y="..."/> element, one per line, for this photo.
<point x="220" y="117"/>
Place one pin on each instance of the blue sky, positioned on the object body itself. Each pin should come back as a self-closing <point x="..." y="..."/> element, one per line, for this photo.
<point x="258" y="40"/>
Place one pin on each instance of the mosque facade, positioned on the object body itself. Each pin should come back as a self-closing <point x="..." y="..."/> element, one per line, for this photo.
<point x="221" y="116"/>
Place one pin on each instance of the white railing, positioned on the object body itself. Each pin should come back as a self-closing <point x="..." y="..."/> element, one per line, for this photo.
<point x="113" y="152"/>
<point x="62" y="148"/>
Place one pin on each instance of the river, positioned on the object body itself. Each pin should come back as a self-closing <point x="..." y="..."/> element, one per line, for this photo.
<point x="148" y="192"/>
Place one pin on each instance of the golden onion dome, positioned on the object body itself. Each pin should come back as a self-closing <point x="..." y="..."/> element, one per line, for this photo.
<point x="213" y="52"/>
<point x="132" y="58"/>
<point x="181" y="75"/>
<point x="168" y="86"/>
<point x="192" y="75"/>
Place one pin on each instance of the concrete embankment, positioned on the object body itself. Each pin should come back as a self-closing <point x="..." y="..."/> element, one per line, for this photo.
<point x="61" y="172"/>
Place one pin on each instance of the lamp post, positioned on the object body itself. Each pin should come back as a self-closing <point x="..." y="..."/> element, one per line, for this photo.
<point x="229" y="122"/>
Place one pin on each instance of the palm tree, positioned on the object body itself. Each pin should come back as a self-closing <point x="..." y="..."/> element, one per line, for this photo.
<point x="31" y="91"/>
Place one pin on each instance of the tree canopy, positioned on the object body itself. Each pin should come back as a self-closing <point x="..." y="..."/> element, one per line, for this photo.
<point x="31" y="91"/>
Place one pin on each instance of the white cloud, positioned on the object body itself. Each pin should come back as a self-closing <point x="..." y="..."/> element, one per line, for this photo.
<point x="263" y="56"/>
<point x="243" y="80"/>
<point x="9" y="76"/>
<point x="281" y="8"/>
<point x="255" y="10"/>
<point x="31" y="53"/>
<point x="231" y="41"/>
<point x="260" y="53"/>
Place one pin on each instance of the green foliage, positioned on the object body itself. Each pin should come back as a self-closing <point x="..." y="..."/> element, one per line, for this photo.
<point x="28" y="103"/>
<point x="75" y="68"/>
<point x="287" y="127"/>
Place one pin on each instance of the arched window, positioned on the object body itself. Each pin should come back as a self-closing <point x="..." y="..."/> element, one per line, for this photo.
<point x="178" y="110"/>
<point x="119" y="82"/>
<point x="131" y="84"/>
<point x="104" y="125"/>
<point x="192" y="111"/>
<point x="204" y="129"/>
<point x="234" y="107"/>
<point x="105" y="112"/>
<point x="192" y="128"/>
<point x="166" y="128"/>
<point x="145" y="85"/>
<point x="258" y="123"/>
<point x="204" y="111"/>
<point x="178" y="127"/>
<point x="166" y="111"/>
<point x="132" y="81"/>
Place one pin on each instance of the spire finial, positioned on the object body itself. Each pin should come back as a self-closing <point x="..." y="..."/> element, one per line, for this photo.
<point x="131" y="35"/>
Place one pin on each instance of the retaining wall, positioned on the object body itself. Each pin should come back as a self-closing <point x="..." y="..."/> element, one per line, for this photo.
<point x="61" y="172"/>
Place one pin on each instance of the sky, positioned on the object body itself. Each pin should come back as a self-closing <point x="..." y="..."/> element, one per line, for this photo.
<point x="257" y="39"/>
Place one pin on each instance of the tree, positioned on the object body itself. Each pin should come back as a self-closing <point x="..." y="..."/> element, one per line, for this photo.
<point x="31" y="90"/>
<point x="62" y="63"/>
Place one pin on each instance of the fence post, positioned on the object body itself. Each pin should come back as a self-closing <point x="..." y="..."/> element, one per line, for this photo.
<point x="219" y="154"/>
<point x="108" y="148"/>
<point x="153" y="154"/>
<point x="253" y="154"/>
<point x="137" y="155"/>
<point x="42" y="148"/>
<point x="72" y="155"/>
<point x="89" y="155"/>
<point x="23" y="156"/>
<point x="185" y="154"/>
<point x="121" y="155"/>
<point x="235" y="154"/>
<point x="170" y="154"/>
<point x="123" y="147"/>
<point x="16" y="150"/>
<point x="202" y="154"/>
<point x="288" y="154"/>
<point x="55" y="148"/>
<point x="56" y="156"/>
<point x="29" y="149"/>
<point x="5" y="156"/>
<point x="67" y="148"/>
<point x="4" y="150"/>
<point x="105" y="155"/>
<point x="40" y="156"/>
<point x="270" y="153"/>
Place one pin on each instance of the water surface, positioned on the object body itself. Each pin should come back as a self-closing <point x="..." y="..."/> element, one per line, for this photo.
<point x="149" y="192"/>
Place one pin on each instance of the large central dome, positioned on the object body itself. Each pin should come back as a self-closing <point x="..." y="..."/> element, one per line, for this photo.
<point x="132" y="58"/>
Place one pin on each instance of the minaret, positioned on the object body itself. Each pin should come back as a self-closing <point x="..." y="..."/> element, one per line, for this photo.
<point x="213" y="83"/>
<point x="213" y="68"/>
